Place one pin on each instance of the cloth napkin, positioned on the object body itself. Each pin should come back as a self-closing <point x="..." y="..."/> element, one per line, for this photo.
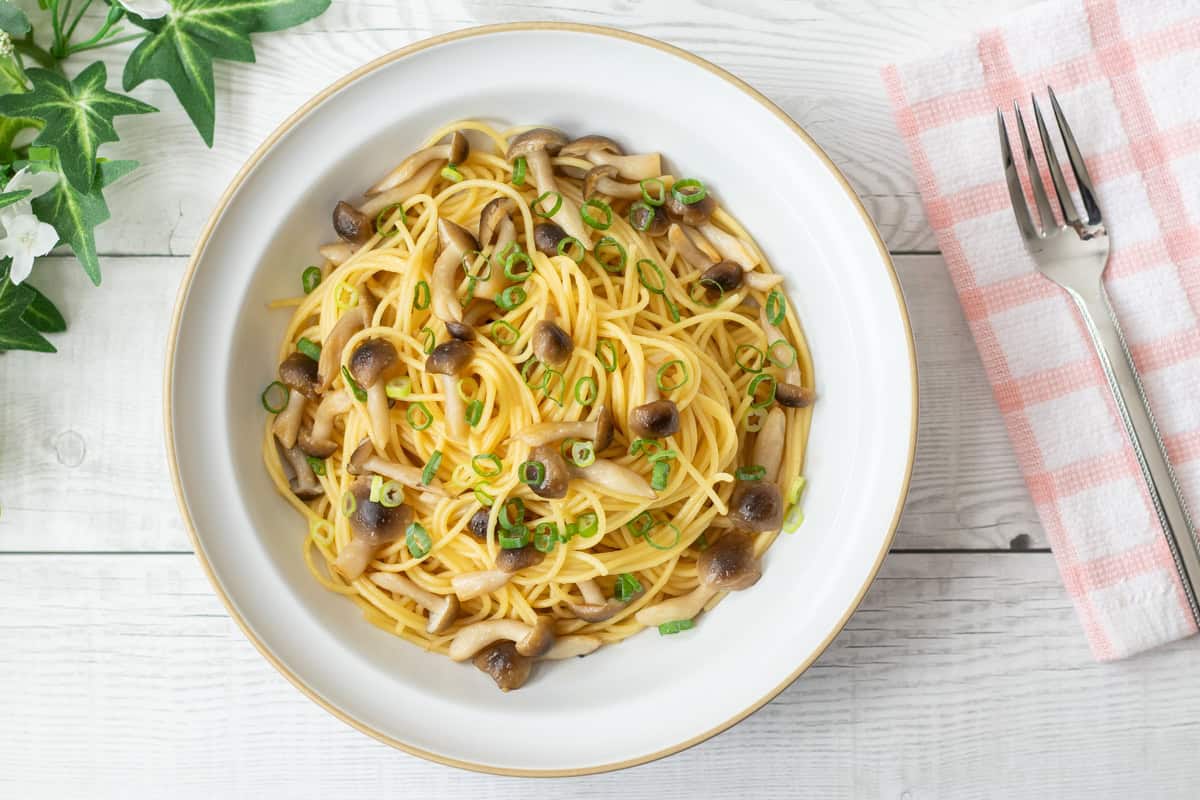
<point x="1127" y="73"/>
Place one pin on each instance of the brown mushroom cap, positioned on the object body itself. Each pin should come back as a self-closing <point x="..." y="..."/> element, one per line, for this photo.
<point x="441" y="621"/>
<point x="578" y="148"/>
<point x="696" y="213"/>
<point x="460" y="330"/>
<point x="546" y="236"/>
<point x="317" y="448"/>
<point x="477" y="526"/>
<point x="553" y="485"/>
<point x="361" y="455"/>
<point x="351" y="224"/>
<point x="656" y="420"/>
<point x="540" y="639"/>
<point x="536" y="139"/>
<point x="593" y="176"/>
<point x="460" y="148"/>
<point x="551" y="344"/>
<point x="730" y="563"/>
<point x="491" y="217"/>
<point x="756" y="506"/>
<point x="518" y="558"/>
<point x="659" y="223"/>
<point x="375" y="522"/>
<point x="455" y="236"/>
<point x="508" y="668"/>
<point x="449" y="358"/>
<point x="604" y="429"/>
<point x="371" y="360"/>
<point x="793" y="396"/>
<point x="299" y="373"/>
<point x="727" y="275"/>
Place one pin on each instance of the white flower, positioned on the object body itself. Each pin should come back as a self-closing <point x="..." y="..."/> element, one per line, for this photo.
<point x="25" y="236"/>
<point x="6" y="45"/>
<point x="147" y="9"/>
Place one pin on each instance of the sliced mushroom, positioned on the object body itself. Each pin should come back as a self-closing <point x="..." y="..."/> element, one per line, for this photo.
<point x="442" y="609"/>
<point x="687" y="249"/>
<point x="508" y="668"/>
<point x="656" y="418"/>
<point x="516" y="559"/>
<point x="613" y="477"/>
<point x="595" y="606"/>
<point x="555" y="472"/>
<point x="599" y="430"/>
<point x="789" y="391"/>
<point x="531" y="640"/>
<point x="373" y="526"/>
<point x="453" y="152"/>
<point x="401" y="192"/>
<point x="303" y="483"/>
<point x="365" y="461"/>
<point x="546" y="236"/>
<point x="651" y="220"/>
<point x="370" y="365"/>
<point x="351" y="322"/>
<point x="551" y="344"/>
<point x="496" y="233"/>
<point x="696" y="213"/>
<point x="318" y="440"/>
<point x="602" y="150"/>
<point x="601" y="179"/>
<point x="448" y="360"/>
<point x="298" y="372"/>
<point x="729" y="246"/>
<point x="469" y="585"/>
<point x="685" y="606"/>
<point x="537" y="145"/>
<point x="730" y="562"/>
<point x="575" y="645"/>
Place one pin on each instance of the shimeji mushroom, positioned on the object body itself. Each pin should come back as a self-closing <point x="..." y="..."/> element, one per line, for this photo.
<point x="318" y="440"/>
<point x="595" y="606"/>
<point x="336" y="252"/>
<point x="728" y="564"/>
<point x="303" y="483"/>
<point x="546" y="236"/>
<point x="537" y="145"/>
<point x="373" y="526"/>
<point x="477" y="525"/>
<point x="650" y="219"/>
<point x="613" y="477"/>
<point x="601" y="179"/>
<point x="351" y="224"/>
<point x="551" y="344"/>
<point x="699" y="253"/>
<point x="514" y="559"/>
<point x="757" y="505"/>
<point x="729" y="246"/>
<point x="789" y="391"/>
<point x="688" y="250"/>
<point x="602" y="150"/>
<point x="496" y="233"/>
<point x="364" y="460"/>
<point x="531" y="640"/>
<point x="400" y="192"/>
<point x="442" y="609"/>
<point x="350" y="323"/>
<point x="299" y="373"/>
<point x="599" y="430"/>
<point x="469" y="585"/>
<point x="370" y="365"/>
<point x="656" y="418"/>
<point x="722" y="278"/>
<point x="572" y="646"/>
<point x="696" y="213"/>
<point x="453" y="153"/>
<point x="510" y="670"/>
<point x="455" y="242"/>
<point x="554" y="473"/>
<point x="448" y="360"/>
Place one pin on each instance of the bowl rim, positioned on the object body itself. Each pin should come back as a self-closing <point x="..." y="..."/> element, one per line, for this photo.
<point x="261" y="151"/>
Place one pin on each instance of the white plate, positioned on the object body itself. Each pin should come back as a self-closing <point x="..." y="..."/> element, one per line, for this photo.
<point x="648" y="696"/>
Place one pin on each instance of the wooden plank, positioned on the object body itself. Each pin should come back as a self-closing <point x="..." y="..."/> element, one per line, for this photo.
<point x="819" y="61"/>
<point x="962" y="676"/>
<point x="84" y="466"/>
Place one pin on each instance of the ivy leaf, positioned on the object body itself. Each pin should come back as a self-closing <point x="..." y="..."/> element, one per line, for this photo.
<point x="15" y="332"/>
<point x="42" y="314"/>
<point x="12" y="81"/>
<point x="182" y="46"/>
<point x="75" y="214"/>
<point x="13" y="20"/>
<point x="78" y="115"/>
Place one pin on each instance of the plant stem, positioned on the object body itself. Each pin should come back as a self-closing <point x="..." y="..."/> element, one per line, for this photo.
<point x="79" y="16"/>
<point x="44" y="58"/>
<point x="94" y="45"/>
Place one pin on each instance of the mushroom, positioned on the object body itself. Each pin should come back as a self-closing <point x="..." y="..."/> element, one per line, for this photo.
<point x="448" y="360"/>
<point x="614" y="477"/>
<point x="373" y="526"/>
<point x="399" y="193"/>
<point x="585" y="145"/>
<point x="595" y="606"/>
<point x="453" y="152"/>
<point x="656" y="418"/>
<point x="496" y="232"/>
<point x="298" y="372"/>
<point x="537" y="145"/>
<point x="477" y="525"/>
<point x="515" y="559"/>
<point x="455" y="242"/>
<point x="546" y="236"/>
<point x="336" y="252"/>
<point x="688" y="250"/>
<point x="531" y="640"/>
<point x="579" y="644"/>
<point x="758" y="505"/>
<point x="442" y="608"/>
<point x="364" y="460"/>
<point x="684" y="606"/>
<point x="551" y="344"/>
<point x="789" y="391"/>
<point x="508" y="668"/>
<point x="351" y="322"/>
<point x="304" y="483"/>
<point x="318" y="440"/>
<point x="728" y="564"/>
<point x="729" y="246"/>
<point x="601" y="179"/>
<point x="469" y="585"/>
<point x="555" y="472"/>
<point x="725" y="276"/>
<point x="370" y="364"/>
<point x="602" y="150"/>
<point x="648" y="219"/>
<point x="351" y="224"/>
<point x="461" y="331"/>
<point x="696" y="213"/>
<point x="599" y="430"/>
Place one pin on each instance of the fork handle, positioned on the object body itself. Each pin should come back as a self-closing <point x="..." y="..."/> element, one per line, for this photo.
<point x="1143" y="433"/>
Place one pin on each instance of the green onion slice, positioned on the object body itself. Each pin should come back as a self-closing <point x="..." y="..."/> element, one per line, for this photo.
<point x="376" y="488"/>
<point x="698" y="191"/>
<point x="514" y="538"/>
<point x="583" y="454"/>
<point x="753" y="472"/>
<point x="275" y="397"/>
<point x="661" y="378"/>
<point x="660" y="285"/>
<point x="512" y="513"/>
<point x="755" y="419"/>
<point x="382" y="217"/>
<point x="309" y="348"/>
<point x="536" y="206"/>
<point x="360" y="394"/>
<point x="392" y="495"/>
<point x="545" y="536"/>
<point x="627" y="587"/>
<point x="793" y="519"/>
<point x="708" y="287"/>
<point x="776" y="307"/>
<point x="398" y="388"/>
<point x="672" y="309"/>
<point x="642" y="524"/>
<point x="592" y="221"/>
<point x="549" y="385"/>
<point x="321" y="531"/>
<point x="587" y="524"/>
<point x="649" y="446"/>
<point x="475" y="265"/>
<point x="474" y="412"/>
<point x="317" y="465"/>
<point x="428" y="340"/>
<point x="675" y="626"/>
<point x="752" y="390"/>
<point x="310" y="279"/>
<point x="529" y="368"/>
<point x="788" y="350"/>
<point x="487" y="465"/>
<point x="660" y="475"/>
<point x="519" y="167"/>
<point x="654" y="192"/>
<point x="421" y="296"/>
<point x="578" y="251"/>
<point x="431" y="467"/>
<point x="345" y="296"/>
<point x="417" y="540"/>
<point x="661" y="455"/>
<point x="586" y="390"/>
<point x="511" y="260"/>
<point x="749" y="363"/>
<point x="505" y="333"/>
<point x="511" y="297"/>
<point x="641" y="222"/>
<point x="606" y="351"/>
<point x="418" y="416"/>
<point x="450" y="173"/>
<point x="796" y="489"/>
<point x="349" y="504"/>
<point x="602" y="257"/>
<point x="531" y="473"/>
<point x="460" y="387"/>
<point x="482" y="497"/>
<point x="650" y="541"/>
<point x="569" y="532"/>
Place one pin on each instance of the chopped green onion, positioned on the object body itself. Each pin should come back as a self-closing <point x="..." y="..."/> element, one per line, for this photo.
<point x="753" y="472"/>
<point x="431" y="467"/>
<point x="479" y="463"/>
<point x="527" y="369"/>
<point x="360" y="394"/>
<point x="661" y="376"/>
<point x="661" y="286"/>
<point x="583" y="454"/>
<point x="345" y="296"/>
<point x="755" y="419"/>
<point x="752" y="390"/>
<point x="755" y="365"/>
<point x="417" y="540"/>
<point x="531" y="473"/>
<point x="548" y="381"/>
<point x="470" y="294"/>
<point x="349" y="504"/>
<point x="587" y="524"/>
<point x="510" y="270"/>
<point x="451" y="174"/>
<point x="321" y="531"/>
<point x="519" y="167"/>
<point x="535" y="206"/>
<point x="564" y="447"/>
<point x="642" y="524"/>
<point x="796" y="489"/>
<point x="423" y="421"/>
<point x="675" y="626"/>
<point x="461" y="384"/>
<point x="510" y="333"/>
<point x="793" y="519"/>
<point x="641" y="222"/>
<point x="392" y="495"/>
<point x="282" y="393"/>
<point x="659" y="475"/>
<point x="672" y="309"/>
<point x="606" y="351"/>
<point x="514" y="538"/>
<point x="661" y="455"/>
<point x="569" y="242"/>
<point x="569" y="532"/>
<point x="788" y="349"/>
<point x="688" y="198"/>
<point x="708" y="286"/>
<point x="483" y="498"/>
<point x="474" y="412"/>
<point x="382" y="217"/>
<point x="776" y="307"/>
<point x="474" y="257"/>
<point x="317" y="465"/>
<point x="309" y="348"/>
<point x="649" y="195"/>
<point x="585" y="390"/>
<point x="511" y="519"/>
<point x="421" y="296"/>
<point x="640" y="445"/>
<point x="376" y="488"/>
<point x="608" y="241"/>
<point x="627" y="587"/>
<point x="428" y="340"/>
<point x="658" y="546"/>
<point x="601" y="206"/>
<point x="511" y="297"/>
<point x="398" y="388"/>
<point x="310" y="279"/>
<point x="545" y="536"/>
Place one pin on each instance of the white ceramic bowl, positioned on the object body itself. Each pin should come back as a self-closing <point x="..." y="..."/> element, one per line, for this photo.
<point x="648" y="696"/>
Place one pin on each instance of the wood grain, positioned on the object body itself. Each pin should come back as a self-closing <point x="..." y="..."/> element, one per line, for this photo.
<point x="122" y="675"/>
<point x="84" y="467"/>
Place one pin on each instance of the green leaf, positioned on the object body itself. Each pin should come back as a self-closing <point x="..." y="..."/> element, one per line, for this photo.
<point x="15" y="332"/>
<point x="13" y="20"/>
<point x="42" y="314"/>
<point x="182" y="46"/>
<point x="8" y="198"/>
<point x="76" y="214"/>
<point x="78" y="115"/>
<point x="12" y="81"/>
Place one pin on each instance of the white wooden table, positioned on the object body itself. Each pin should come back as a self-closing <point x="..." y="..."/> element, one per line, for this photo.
<point x="964" y="674"/>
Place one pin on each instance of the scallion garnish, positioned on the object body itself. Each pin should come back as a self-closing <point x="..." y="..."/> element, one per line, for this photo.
<point x="641" y="222"/>
<point x="512" y="513"/>
<point x="752" y="390"/>
<point x="511" y="260"/>
<point x="654" y="192"/>
<point x="627" y="587"/>
<point x="776" y="307"/>
<point x="610" y="243"/>
<point x="599" y="205"/>
<point x="392" y="494"/>
<point x="431" y="467"/>
<point x="661" y="455"/>
<point x="428" y="340"/>
<point x="309" y="348"/>
<point x="349" y="504"/>
<point x="474" y="412"/>
<point x="672" y="309"/>
<point x="793" y="519"/>
<point x="275" y="397"/>
<point x="382" y="217"/>
<point x="310" y="279"/>
<point x="450" y="173"/>
<point x="529" y="368"/>
<point x="570" y="531"/>
<point x="511" y="297"/>
<point x="585" y="390"/>
<point x="755" y="419"/>
<point x="519" y="167"/>
<point x="360" y="394"/>
<point x="513" y="538"/>
<point x="675" y="626"/>
<point x="796" y="489"/>
<point x="504" y="333"/>
<point x="753" y="472"/>
<point x="461" y="385"/>
<point x="587" y="524"/>
<point x="661" y="378"/>
<point x="472" y="258"/>
<point x="642" y="524"/>
<point x="583" y="454"/>
<point x="531" y="473"/>
<point x="658" y="546"/>
<point x="376" y="488"/>
<point x="576" y="248"/>
<point x="698" y="191"/>
<point x="482" y="497"/>
<point x="536" y="205"/>
<point x="660" y="475"/>
<point x="648" y="446"/>
<point x="548" y="385"/>
<point x="748" y="363"/>
<point x="398" y="388"/>
<point x="345" y="296"/>
<point x="787" y="349"/>
<point x="317" y="465"/>
<point x="487" y="465"/>
<point x="321" y="531"/>
<point x="423" y="419"/>
<point x="545" y="537"/>
<point x="417" y="540"/>
<point x="606" y="351"/>
<point x="421" y="296"/>
<point x="660" y="284"/>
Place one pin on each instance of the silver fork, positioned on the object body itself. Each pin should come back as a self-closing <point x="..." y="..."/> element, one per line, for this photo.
<point x="1074" y="255"/>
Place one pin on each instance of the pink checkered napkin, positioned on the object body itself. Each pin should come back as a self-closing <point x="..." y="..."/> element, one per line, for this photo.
<point x="1128" y="76"/>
